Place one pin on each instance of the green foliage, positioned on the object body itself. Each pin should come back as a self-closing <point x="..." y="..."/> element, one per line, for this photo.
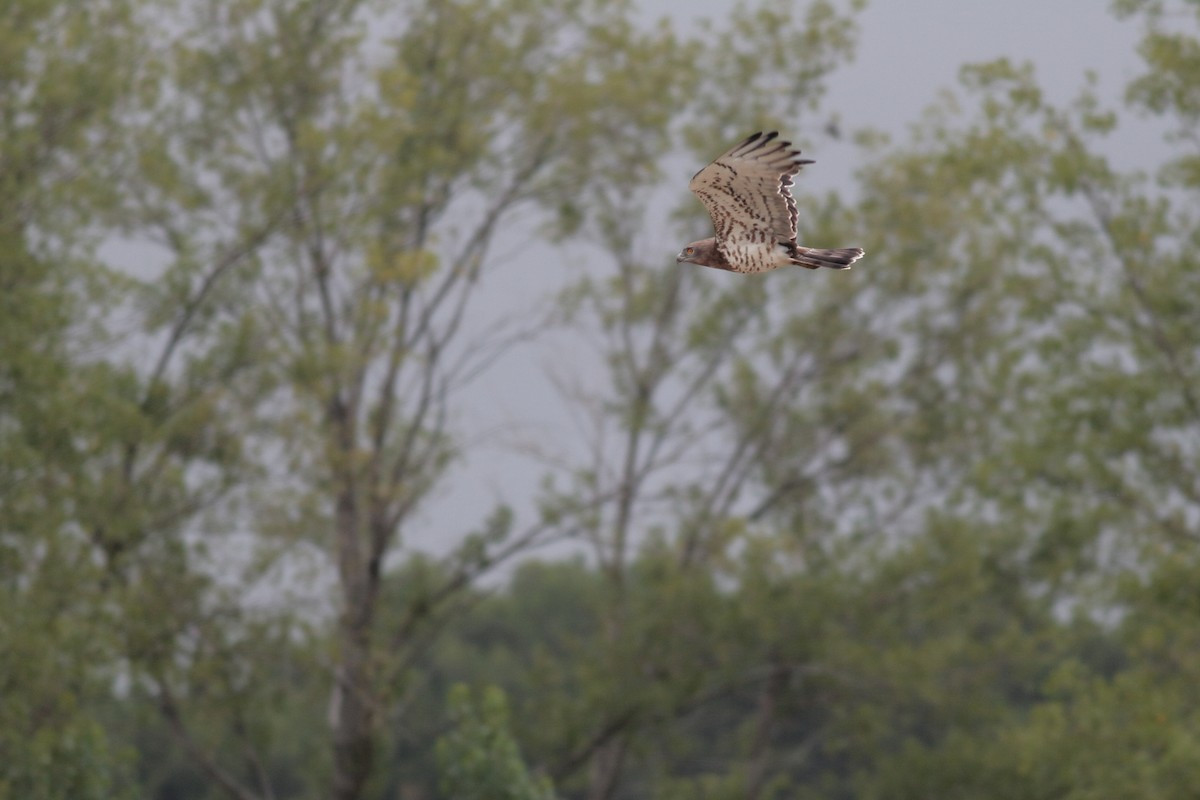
<point x="64" y="760"/>
<point x="63" y="69"/>
<point x="478" y="759"/>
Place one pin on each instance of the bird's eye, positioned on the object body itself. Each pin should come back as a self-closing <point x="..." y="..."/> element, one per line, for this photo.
<point x="688" y="251"/>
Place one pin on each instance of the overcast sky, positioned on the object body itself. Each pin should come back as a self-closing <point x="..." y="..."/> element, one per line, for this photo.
<point x="910" y="49"/>
<point x="908" y="52"/>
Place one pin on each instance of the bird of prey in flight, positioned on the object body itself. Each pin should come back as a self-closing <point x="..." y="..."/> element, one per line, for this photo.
<point x="747" y="192"/>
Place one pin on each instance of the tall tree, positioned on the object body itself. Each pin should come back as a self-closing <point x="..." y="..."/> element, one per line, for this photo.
<point x="1071" y="418"/>
<point x="327" y="185"/>
<point x="665" y="470"/>
<point x="63" y="68"/>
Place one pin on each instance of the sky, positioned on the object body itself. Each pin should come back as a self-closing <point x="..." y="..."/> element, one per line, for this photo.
<point x="908" y="52"/>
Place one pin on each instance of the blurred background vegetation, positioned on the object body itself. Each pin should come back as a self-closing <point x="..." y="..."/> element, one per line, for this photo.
<point x="930" y="528"/>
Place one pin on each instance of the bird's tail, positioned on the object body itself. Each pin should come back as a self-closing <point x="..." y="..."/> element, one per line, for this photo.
<point x="813" y="258"/>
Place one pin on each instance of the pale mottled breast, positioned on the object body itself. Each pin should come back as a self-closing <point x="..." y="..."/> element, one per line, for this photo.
<point x="756" y="257"/>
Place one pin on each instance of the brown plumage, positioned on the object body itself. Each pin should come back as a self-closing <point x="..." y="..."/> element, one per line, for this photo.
<point x="747" y="192"/>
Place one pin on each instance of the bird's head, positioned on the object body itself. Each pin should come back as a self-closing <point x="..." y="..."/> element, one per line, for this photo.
<point x="703" y="252"/>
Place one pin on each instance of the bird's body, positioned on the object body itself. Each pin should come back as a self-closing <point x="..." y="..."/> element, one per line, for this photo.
<point x="747" y="192"/>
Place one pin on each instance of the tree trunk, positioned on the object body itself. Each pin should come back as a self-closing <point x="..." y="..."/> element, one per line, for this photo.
<point x="606" y="767"/>
<point x="351" y="716"/>
<point x="760" y="753"/>
<point x="352" y="705"/>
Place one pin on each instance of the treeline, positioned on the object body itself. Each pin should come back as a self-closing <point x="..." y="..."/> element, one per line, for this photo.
<point x="924" y="529"/>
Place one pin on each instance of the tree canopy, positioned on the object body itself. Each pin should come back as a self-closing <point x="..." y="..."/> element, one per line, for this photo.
<point x="926" y="528"/>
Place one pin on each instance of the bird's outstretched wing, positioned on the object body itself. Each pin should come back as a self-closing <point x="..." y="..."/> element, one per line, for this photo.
<point x="747" y="192"/>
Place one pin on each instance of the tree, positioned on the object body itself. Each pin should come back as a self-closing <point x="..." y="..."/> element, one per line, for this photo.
<point x="63" y="68"/>
<point x="671" y="340"/>
<point x="327" y="192"/>
<point x="1084" y="452"/>
<point x="989" y="383"/>
<point x="479" y="759"/>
